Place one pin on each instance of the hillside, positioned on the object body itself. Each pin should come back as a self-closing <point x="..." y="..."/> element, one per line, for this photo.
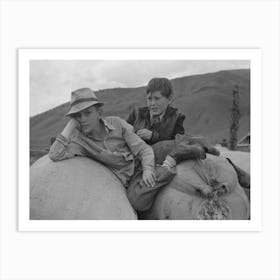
<point x="205" y="100"/>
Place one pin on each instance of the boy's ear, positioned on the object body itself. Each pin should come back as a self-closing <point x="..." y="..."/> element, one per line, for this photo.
<point x="170" y="97"/>
<point x="100" y="110"/>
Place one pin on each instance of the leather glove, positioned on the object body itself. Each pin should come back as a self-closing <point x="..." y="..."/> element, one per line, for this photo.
<point x="184" y="151"/>
<point x="200" y="140"/>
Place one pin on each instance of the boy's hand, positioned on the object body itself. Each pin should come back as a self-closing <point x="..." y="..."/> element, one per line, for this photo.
<point x="149" y="178"/>
<point x="144" y="133"/>
<point x="201" y="140"/>
<point x="74" y="124"/>
<point x="70" y="127"/>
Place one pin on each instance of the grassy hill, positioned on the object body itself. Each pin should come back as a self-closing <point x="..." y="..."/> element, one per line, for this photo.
<point x="205" y="100"/>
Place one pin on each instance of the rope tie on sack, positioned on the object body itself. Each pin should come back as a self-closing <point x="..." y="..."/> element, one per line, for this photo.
<point x="214" y="187"/>
<point x="213" y="208"/>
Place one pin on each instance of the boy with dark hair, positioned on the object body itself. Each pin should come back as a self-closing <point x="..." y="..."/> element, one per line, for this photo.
<point x="157" y="121"/>
<point x="161" y="84"/>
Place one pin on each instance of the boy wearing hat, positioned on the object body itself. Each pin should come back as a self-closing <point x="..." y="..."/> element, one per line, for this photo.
<point x="112" y="141"/>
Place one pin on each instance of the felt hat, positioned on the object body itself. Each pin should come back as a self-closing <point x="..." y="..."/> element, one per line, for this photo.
<point x="82" y="99"/>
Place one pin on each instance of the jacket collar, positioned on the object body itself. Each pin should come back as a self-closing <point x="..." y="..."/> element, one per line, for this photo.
<point x="145" y="112"/>
<point x="109" y="127"/>
<point x="107" y="124"/>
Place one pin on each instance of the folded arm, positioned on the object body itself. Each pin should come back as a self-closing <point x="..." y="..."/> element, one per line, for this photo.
<point x="139" y="148"/>
<point x="63" y="148"/>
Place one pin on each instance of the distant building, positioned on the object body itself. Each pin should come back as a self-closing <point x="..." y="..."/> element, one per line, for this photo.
<point x="244" y="143"/>
<point x="224" y="143"/>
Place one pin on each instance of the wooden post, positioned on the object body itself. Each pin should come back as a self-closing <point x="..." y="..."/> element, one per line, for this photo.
<point x="235" y="116"/>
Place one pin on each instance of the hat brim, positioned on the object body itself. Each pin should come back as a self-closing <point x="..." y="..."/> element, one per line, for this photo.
<point x="81" y="106"/>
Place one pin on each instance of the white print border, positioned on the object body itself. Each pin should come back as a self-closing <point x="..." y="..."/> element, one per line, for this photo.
<point x="24" y="57"/>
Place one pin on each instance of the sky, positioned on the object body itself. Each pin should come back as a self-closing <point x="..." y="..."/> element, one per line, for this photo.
<point x="52" y="81"/>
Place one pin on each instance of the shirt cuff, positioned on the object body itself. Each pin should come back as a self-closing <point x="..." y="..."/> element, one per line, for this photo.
<point x="63" y="140"/>
<point x="148" y="168"/>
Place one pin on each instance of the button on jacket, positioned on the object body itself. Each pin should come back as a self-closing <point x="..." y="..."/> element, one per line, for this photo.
<point x="117" y="151"/>
<point x="171" y="123"/>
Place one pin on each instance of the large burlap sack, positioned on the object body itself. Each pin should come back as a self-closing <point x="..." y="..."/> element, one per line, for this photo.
<point x="185" y="198"/>
<point x="76" y="189"/>
<point x="239" y="158"/>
